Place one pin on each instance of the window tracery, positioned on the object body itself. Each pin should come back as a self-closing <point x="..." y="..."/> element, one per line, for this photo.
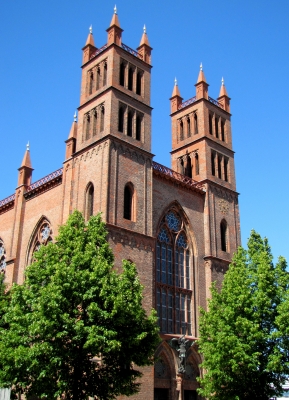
<point x="43" y="236"/>
<point x="173" y="275"/>
<point x="2" y="257"/>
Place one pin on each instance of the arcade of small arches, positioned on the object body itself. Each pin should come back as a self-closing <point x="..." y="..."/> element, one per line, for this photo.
<point x="131" y="77"/>
<point x="97" y="77"/>
<point x="188" y="125"/>
<point x="93" y="122"/>
<point x="217" y="126"/>
<point x="130" y="121"/>
<point x="188" y="164"/>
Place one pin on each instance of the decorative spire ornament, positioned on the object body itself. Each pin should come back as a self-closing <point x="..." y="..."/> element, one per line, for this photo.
<point x="75" y="117"/>
<point x="115" y="9"/>
<point x="28" y="146"/>
<point x="90" y="29"/>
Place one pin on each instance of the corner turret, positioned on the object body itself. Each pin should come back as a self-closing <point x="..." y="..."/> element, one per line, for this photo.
<point x="71" y="141"/>
<point x="25" y="171"/>
<point x="201" y="85"/>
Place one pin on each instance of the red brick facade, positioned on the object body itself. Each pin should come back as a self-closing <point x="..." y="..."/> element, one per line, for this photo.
<point x="109" y="168"/>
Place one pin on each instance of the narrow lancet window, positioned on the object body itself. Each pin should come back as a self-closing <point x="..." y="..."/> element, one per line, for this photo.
<point x="181" y="130"/>
<point x="120" y="119"/>
<point x="104" y="74"/>
<point x="128" y="202"/>
<point x="138" y="83"/>
<point x="197" y="167"/>
<point x="130" y="78"/>
<point x="97" y="78"/>
<point x="129" y="123"/>
<point x="210" y="124"/>
<point x="138" y="127"/>
<point x="224" y="228"/>
<point x="196" y="124"/>
<point x="102" y="119"/>
<point x="91" y="79"/>
<point x="89" y="201"/>
<point x="121" y="74"/>
<point x="213" y="157"/>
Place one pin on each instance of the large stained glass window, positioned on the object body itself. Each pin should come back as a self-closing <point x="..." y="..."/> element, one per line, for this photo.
<point x="42" y="238"/>
<point x="173" y="280"/>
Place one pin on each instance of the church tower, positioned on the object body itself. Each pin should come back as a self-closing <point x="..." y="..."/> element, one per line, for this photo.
<point x="110" y="145"/>
<point x="202" y="150"/>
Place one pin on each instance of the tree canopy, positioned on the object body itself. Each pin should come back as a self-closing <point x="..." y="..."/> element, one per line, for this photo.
<point x="244" y="334"/>
<point x="77" y="328"/>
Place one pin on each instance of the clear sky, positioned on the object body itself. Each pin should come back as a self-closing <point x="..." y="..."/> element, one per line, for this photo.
<point x="245" y="41"/>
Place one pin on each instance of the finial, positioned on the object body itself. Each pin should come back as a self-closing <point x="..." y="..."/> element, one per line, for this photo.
<point x="144" y="29"/>
<point x="201" y="67"/>
<point x="75" y="117"/>
<point x="223" y="82"/>
<point x="176" y="82"/>
<point x="115" y="9"/>
<point x="90" y="29"/>
<point x="27" y="146"/>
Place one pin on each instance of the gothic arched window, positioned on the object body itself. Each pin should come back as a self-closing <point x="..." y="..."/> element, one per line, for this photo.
<point x="120" y="119"/>
<point x="128" y="202"/>
<point x="224" y="235"/>
<point x="196" y="124"/>
<point x="138" y="127"/>
<point x="104" y="74"/>
<point x="91" y="78"/>
<point x="89" y="201"/>
<point x="2" y="257"/>
<point x="130" y="79"/>
<point x="102" y="119"/>
<point x="173" y="276"/>
<point x="188" y="127"/>
<point x="181" y="130"/>
<point x="42" y="238"/>
<point x="138" y="82"/>
<point x="129" y="123"/>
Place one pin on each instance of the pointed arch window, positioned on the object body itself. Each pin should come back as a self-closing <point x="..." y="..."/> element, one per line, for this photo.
<point x="97" y="77"/>
<point x="121" y="73"/>
<point x="94" y="126"/>
<point x="213" y="158"/>
<point x="226" y="163"/>
<point x="128" y="202"/>
<point x="196" y="124"/>
<point x="197" y="165"/>
<point x="120" y="119"/>
<point x="89" y="201"/>
<point x="188" y="126"/>
<point x="102" y="118"/>
<point x="217" y="127"/>
<point x="138" y="127"/>
<point x="87" y="129"/>
<point x="130" y="78"/>
<point x="173" y="276"/>
<point x="223" y="130"/>
<point x="181" y="130"/>
<point x="138" y="82"/>
<point x="104" y="73"/>
<point x="42" y="237"/>
<point x="2" y="257"/>
<point x="224" y="235"/>
<point x="189" y="167"/>
<point x="91" y="80"/>
<point x="129" y="123"/>
<point x="210" y="124"/>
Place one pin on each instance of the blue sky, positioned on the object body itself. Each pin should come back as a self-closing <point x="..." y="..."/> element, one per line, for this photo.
<point x="245" y="41"/>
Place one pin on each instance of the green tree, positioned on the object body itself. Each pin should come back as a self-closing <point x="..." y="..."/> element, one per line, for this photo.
<point x="242" y="333"/>
<point x="76" y="326"/>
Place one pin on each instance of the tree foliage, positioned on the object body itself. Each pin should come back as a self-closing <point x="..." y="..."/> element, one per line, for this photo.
<point x="76" y="326"/>
<point x="244" y="334"/>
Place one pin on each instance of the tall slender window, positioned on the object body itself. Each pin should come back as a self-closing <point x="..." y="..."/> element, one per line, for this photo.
<point x="181" y="130"/>
<point x="129" y="123"/>
<point x="219" y="166"/>
<point x="121" y="74"/>
<point x="120" y="119"/>
<point x="91" y="79"/>
<point x="223" y="130"/>
<point x="42" y="237"/>
<point x="138" y="82"/>
<point x="196" y="124"/>
<point x="138" y="127"/>
<point x="226" y="162"/>
<point x="188" y="127"/>
<point x="97" y="78"/>
<point x="173" y="276"/>
<point x="197" y="166"/>
<point x="189" y="167"/>
<point x="94" y="126"/>
<point x="102" y="119"/>
<point x="104" y="74"/>
<point x="210" y="124"/>
<point x="89" y="201"/>
<point x="130" y="78"/>
<point x="213" y="158"/>
<point x="87" y="129"/>
<point x="128" y="202"/>
<point x="2" y="257"/>
<point x="224" y="228"/>
<point x="217" y="127"/>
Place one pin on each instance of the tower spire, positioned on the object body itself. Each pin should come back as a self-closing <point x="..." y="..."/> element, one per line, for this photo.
<point x="176" y="99"/>
<point x="144" y="48"/>
<point x="25" y="171"/>
<point x="89" y="47"/>
<point x="223" y="98"/>
<point x="114" y="31"/>
<point x="201" y="85"/>
<point x="71" y="141"/>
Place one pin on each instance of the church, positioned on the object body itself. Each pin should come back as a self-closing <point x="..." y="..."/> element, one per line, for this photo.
<point x="179" y="224"/>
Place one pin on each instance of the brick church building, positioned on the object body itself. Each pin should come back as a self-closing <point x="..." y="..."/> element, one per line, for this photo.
<point x="180" y="225"/>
